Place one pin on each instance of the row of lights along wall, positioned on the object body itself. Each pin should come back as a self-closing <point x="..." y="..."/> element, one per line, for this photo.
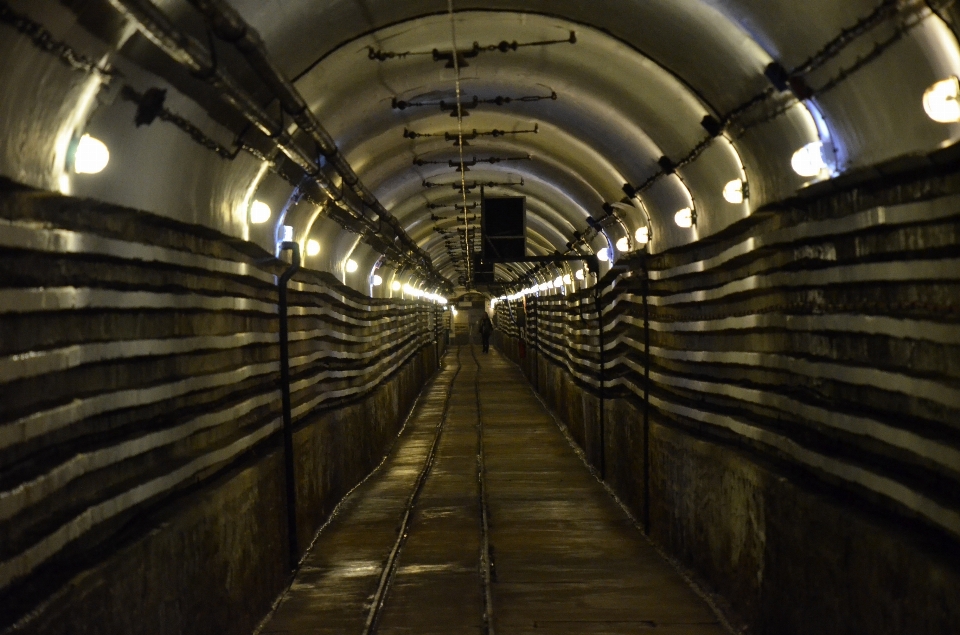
<point x="941" y="103"/>
<point x="560" y="282"/>
<point x="260" y="213"/>
<point x="412" y="291"/>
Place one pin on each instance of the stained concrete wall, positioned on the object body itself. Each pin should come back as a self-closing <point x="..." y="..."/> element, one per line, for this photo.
<point x="214" y="560"/>
<point x="800" y="452"/>
<point x="783" y="553"/>
<point x="141" y="483"/>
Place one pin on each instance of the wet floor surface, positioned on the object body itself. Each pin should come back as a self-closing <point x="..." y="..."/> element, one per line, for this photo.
<point x="409" y="551"/>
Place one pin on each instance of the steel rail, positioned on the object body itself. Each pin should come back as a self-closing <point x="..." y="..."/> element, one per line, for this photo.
<point x="486" y="560"/>
<point x="390" y="566"/>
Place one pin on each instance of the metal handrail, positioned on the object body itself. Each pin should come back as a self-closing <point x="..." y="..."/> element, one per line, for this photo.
<point x="288" y="465"/>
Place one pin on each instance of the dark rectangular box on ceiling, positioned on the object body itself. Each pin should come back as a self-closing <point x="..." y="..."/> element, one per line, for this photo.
<point x="504" y="228"/>
<point x="482" y="272"/>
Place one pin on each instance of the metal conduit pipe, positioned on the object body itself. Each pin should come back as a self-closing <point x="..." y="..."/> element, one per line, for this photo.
<point x="189" y="53"/>
<point x="186" y="51"/>
<point x="227" y="24"/>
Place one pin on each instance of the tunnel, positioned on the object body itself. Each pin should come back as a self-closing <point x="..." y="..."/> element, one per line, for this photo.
<point x="264" y="368"/>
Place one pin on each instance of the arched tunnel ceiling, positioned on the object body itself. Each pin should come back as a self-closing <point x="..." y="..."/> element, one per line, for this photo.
<point x="616" y="112"/>
<point x="619" y="108"/>
<point x="633" y="88"/>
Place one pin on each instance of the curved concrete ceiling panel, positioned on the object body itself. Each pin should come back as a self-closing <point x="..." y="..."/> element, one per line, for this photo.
<point x="616" y="113"/>
<point x="631" y="94"/>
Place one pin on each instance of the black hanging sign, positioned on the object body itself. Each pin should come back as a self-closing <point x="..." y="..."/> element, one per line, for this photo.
<point x="504" y="228"/>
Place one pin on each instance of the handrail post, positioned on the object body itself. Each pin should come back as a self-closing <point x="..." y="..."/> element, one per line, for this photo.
<point x="436" y="331"/>
<point x="646" y="399"/>
<point x="535" y="342"/>
<point x="598" y="299"/>
<point x="291" y="488"/>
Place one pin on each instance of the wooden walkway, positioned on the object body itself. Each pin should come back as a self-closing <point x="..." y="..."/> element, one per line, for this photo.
<point x="484" y="528"/>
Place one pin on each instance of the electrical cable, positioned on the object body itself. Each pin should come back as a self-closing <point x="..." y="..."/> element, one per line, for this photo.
<point x="463" y="172"/>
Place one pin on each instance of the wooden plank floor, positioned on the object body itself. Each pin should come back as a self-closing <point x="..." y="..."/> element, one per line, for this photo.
<point x="565" y="558"/>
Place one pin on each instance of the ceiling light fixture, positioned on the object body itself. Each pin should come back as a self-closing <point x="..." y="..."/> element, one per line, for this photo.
<point x="685" y="218"/>
<point x="260" y="212"/>
<point x="579" y="274"/>
<point x="91" y="155"/>
<point x="940" y="101"/>
<point x="808" y="160"/>
<point x="642" y="235"/>
<point x="313" y="247"/>
<point x="395" y="285"/>
<point x="603" y="255"/>
<point x="351" y="265"/>
<point x="623" y="245"/>
<point x="734" y="191"/>
<point x="377" y="280"/>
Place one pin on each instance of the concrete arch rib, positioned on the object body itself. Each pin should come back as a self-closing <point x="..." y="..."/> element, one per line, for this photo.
<point x="632" y="89"/>
<point x="695" y="41"/>
<point x="597" y="136"/>
<point x="764" y="153"/>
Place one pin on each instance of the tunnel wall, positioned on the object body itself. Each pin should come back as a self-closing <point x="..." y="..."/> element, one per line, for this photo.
<point x="800" y="452"/>
<point x="141" y="470"/>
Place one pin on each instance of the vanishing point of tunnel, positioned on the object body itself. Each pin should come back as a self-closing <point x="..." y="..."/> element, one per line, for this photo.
<point x="443" y="317"/>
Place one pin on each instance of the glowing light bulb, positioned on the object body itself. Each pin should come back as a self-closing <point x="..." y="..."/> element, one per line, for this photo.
<point x="579" y="274"/>
<point x="940" y="101"/>
<point x="623" y="244"/>
<point x="684" y="218"/>
<point x="603" y="255"/>
<point x="377" y="280"/>
<point x="351" y="265"/>
<point x="642" y="235"/>
<point x="808" y="160"/>
<point x="395" y="285"/>
<point x="567" y="279"/>
<point x="733" y="192"/>
<point x="558" y="282"/>
<point x="91" y="156"/>
<point x="259" y="212"/>
<point x="313" y="247"/>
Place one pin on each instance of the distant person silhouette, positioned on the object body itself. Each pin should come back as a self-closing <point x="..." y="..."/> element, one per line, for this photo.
<point x="486" y="330"/>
